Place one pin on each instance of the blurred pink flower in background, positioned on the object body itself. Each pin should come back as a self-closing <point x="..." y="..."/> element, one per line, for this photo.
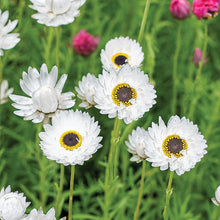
<point x="180" y="9"/>
<point x="197" y="57"/>
<point x="205" y="9"/>
<point x="84" y="43"/>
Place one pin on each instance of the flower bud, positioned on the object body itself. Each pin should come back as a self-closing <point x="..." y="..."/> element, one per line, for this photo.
<point x="197" y="57"/>
<point x="84" y="43"/>
<point x="180" y="9"/>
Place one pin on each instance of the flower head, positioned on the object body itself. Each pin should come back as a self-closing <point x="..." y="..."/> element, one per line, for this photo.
<point x="71" y="139"/>
<point x="55" y="12"/>
<point x="7" y="41"/>
<point x="86" y="90"/>
<point x="136" y="144"/>
<point x="12" y="204"/>
<point x="127" y="94"/>
<point x="4" y="91"/>
<point x="205" y="9"/>
<point x="120" y="51"/>
<point x="216" y="200"/>
<point x="180" y="9"/>
<point x="84" y="43"/>
<point x="178" y="146"/>
<point x="197" y="57"/>
<point x="39" y="215"/>
<point x="45" y="94"/>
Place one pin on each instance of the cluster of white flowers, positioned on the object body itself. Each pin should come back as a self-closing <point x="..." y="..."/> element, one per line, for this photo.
<point x="122" y="89"/>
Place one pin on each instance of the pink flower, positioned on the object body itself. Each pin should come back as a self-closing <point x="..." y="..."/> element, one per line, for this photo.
<point x="197" y="57"/>
<point x="180" y="9"/>
<point x="205" y="9"/>
<point x="84" y="43"/>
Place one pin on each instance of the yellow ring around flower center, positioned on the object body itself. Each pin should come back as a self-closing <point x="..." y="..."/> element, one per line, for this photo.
<point x="119" y="59"/>
<point x="123" y="93"/>
<point x="70" y="140"/>
<point x="173" y="144"/>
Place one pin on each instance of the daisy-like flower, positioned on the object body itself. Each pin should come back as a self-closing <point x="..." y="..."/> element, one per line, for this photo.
<point x="7" y="40"/>
<point x="56" y="12"/>
<point x="86" y="90"/>
<point x="127" y="94"/>
<point x="45" y="95"/>
<point x="120" y="51"/>
<point x="39" y="215"/>
<point x="12" y="204"/>
<point x="4" y="91"/>
<point x="178" y="146"/>
<point x="136" y="144"/>
<point x="71" y="139"/>
<point x="216" y="200"/>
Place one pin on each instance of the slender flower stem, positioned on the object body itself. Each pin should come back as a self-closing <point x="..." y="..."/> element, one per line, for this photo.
<point x="48" y="46"/>
<point x="169" y="192"/>
<point x="71" y="192"/>
<point x="60" y="190"/>
<point x="199" y="73"/>
<point x="144" y="20"/>
<point x="112" y="152"/>
<point x="1" y="67"/>
<point x="57" y="46"/>
<point x="175" y="61"/>
<point x="140" y="190"/>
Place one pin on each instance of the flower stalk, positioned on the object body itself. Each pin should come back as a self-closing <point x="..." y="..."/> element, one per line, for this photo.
<point x="140" y="190"/>
<point x="169" y="192"/>
<point x="71" y="192"/>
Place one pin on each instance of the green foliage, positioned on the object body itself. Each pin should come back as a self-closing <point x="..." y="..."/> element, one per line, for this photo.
<point x="26" y="169"/>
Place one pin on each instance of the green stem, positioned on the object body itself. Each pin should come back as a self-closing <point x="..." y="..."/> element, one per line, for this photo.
<point x="175" y="62"/>
<point x="144" y="20"/>
<point x="140" y="190"/>
<point x="198" y="75"/>
<point x="71" y="192"/>
<point x="60" y="190"/>
<point x="57" y="46"/>
<point x="169" y="192"/>
<point x="48" y="46"/>
<point x="43" y="195"/>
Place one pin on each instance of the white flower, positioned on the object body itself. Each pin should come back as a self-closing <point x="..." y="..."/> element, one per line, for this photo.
<point x="7" y="41"/>
<point x="216" y="200"/>
<point x="56" y="12"/>
<point x="12" y="204"/>
<point x="178" y="146"/>
<point x="136" y="144"/>
<point x="126" y="93"/>
<point x="86" y="90"/>
<point x="122" y="50"/>
<point x="4" y="91"/>
<point x="71" y="139"/>
<point x="45" y="95"/>
<point x="39" y="215"/>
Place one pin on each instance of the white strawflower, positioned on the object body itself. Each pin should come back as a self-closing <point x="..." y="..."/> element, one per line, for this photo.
<point x="39" y="215"/>
<point x="86" y="90"/>
<point x="120" y="51"/>
<point x="136" y="144"/>
<point x="178" y="146"/>
<point x="56" y="12"/>
<point x="71" y="139"/>
<point x="216" y="200"/>
<point x="126" y="93"/>
<point x="12" y="204"/>
<point x="7" y="40"/>
<point x="45" y="94"/>
<point x="4" y="91"/>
